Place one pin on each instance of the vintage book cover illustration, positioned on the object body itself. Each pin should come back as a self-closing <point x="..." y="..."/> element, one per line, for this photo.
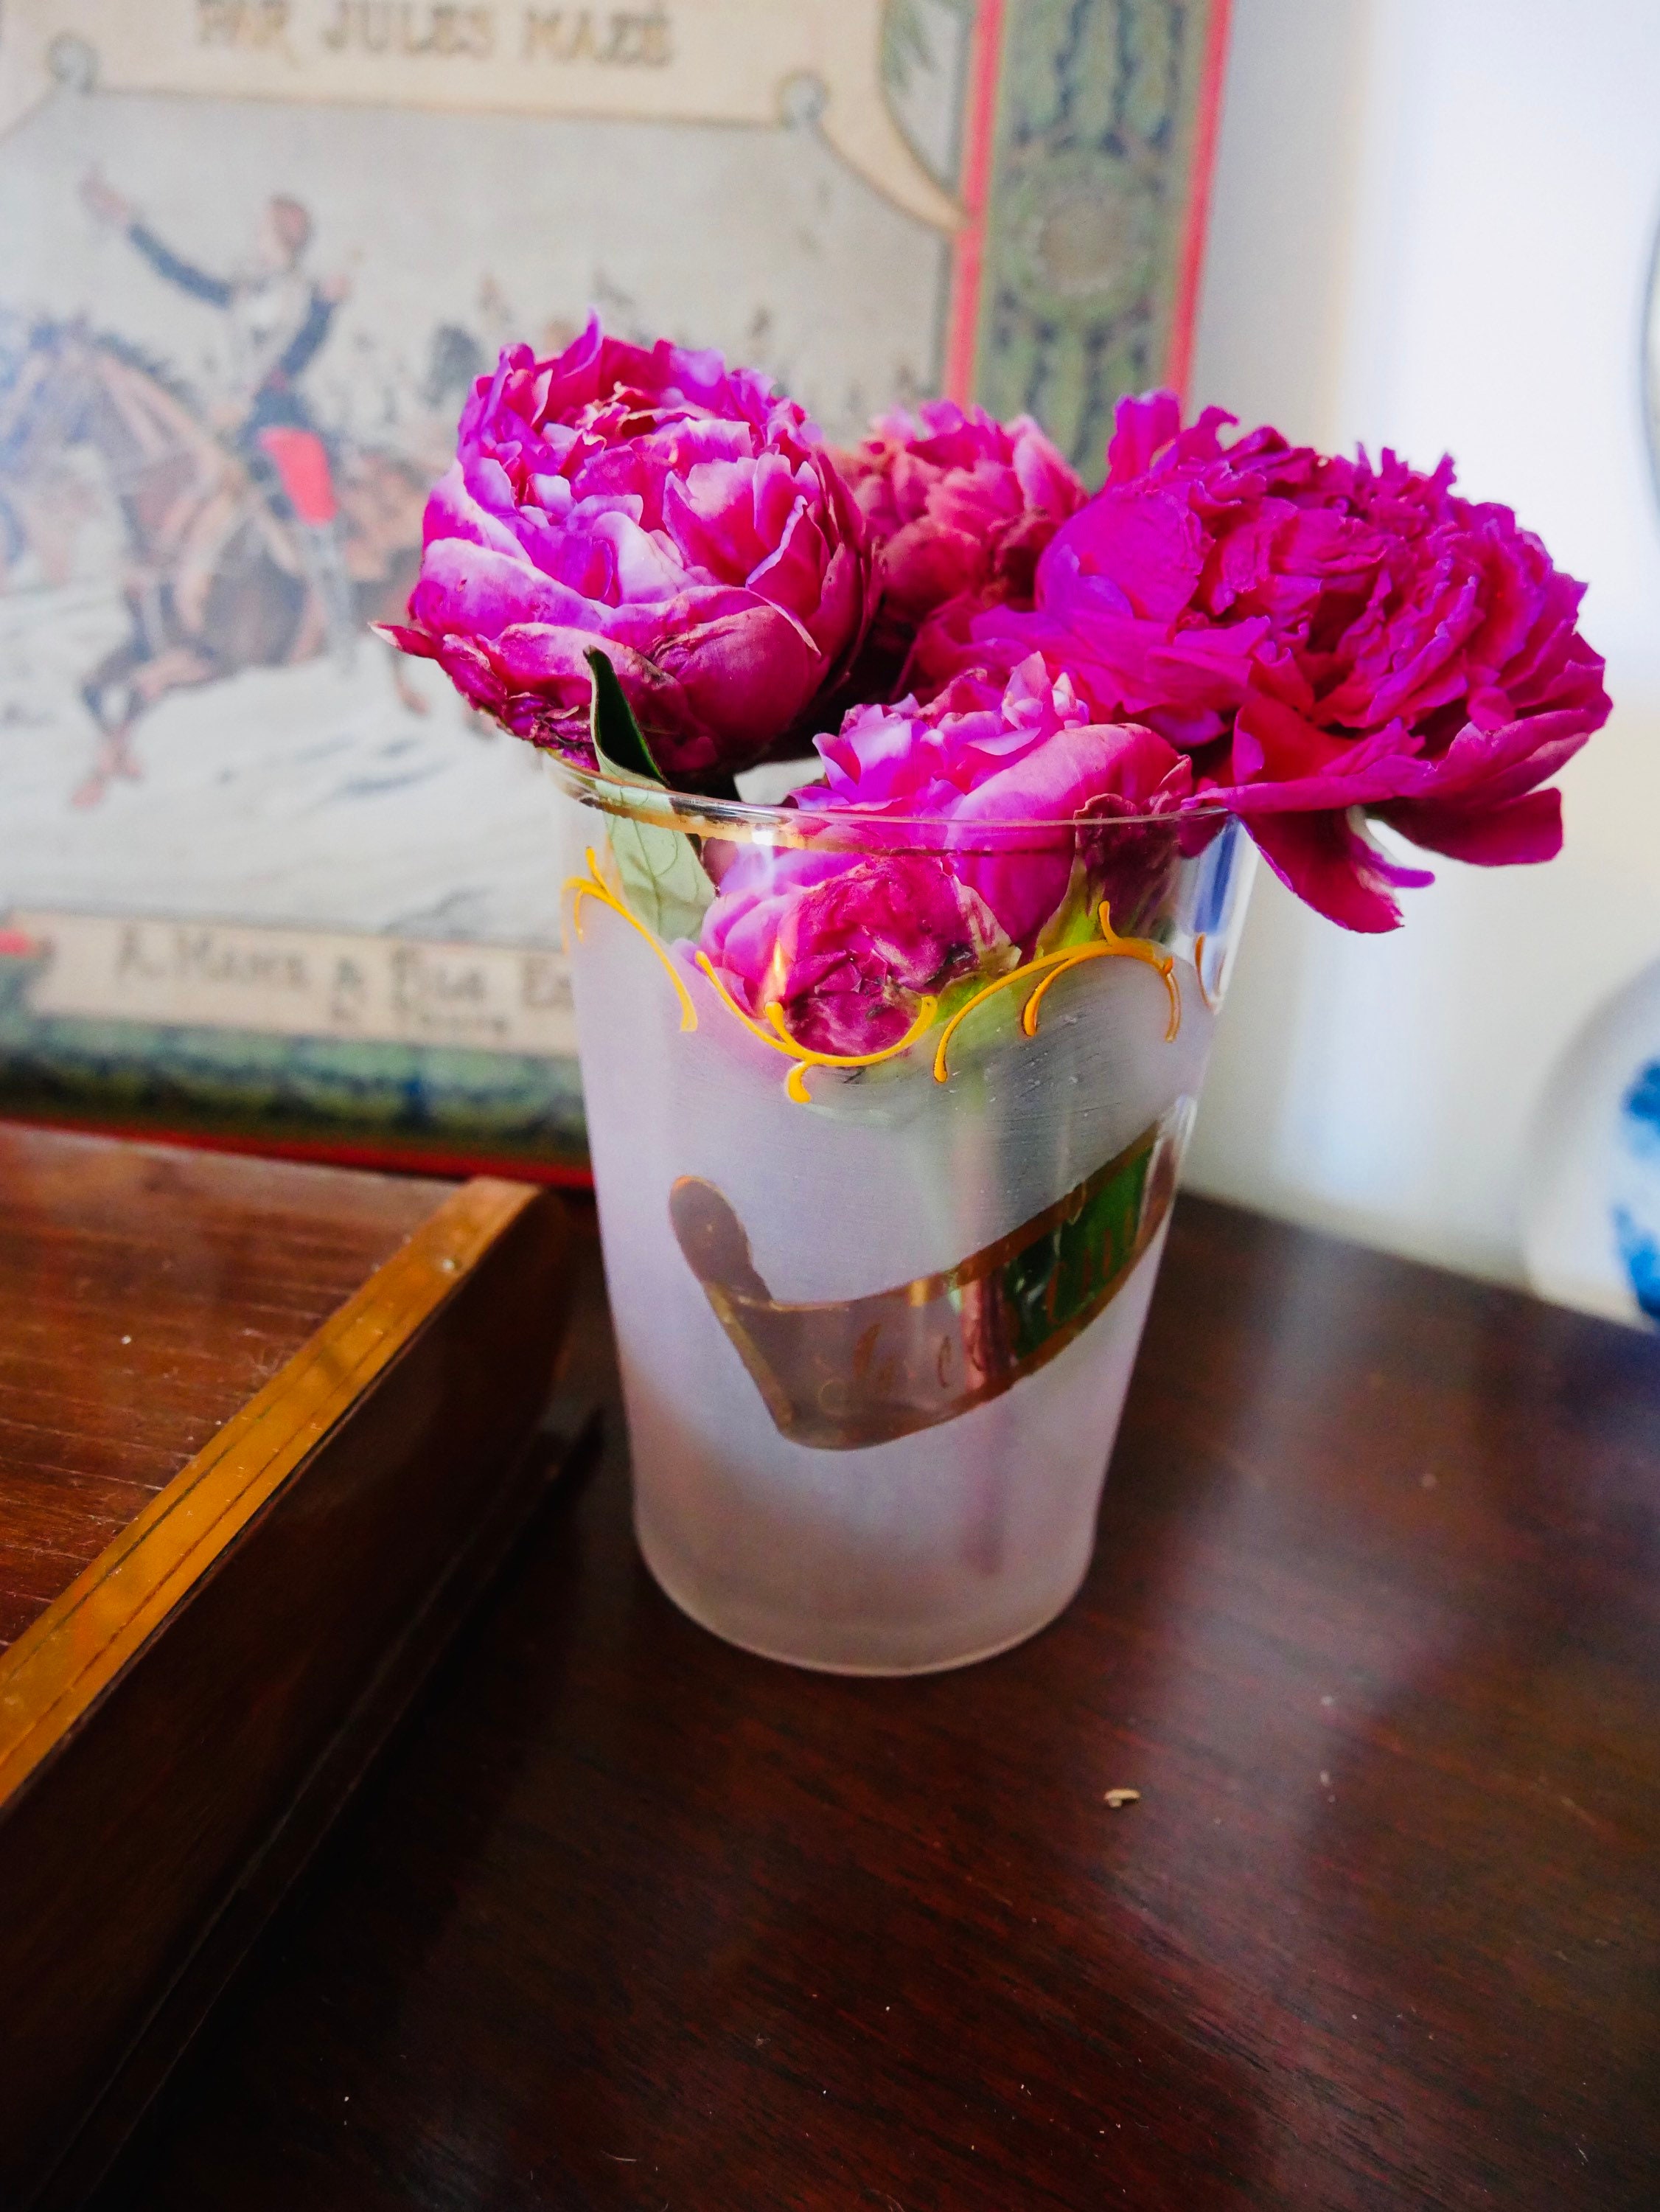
<point x="257" y="882"/>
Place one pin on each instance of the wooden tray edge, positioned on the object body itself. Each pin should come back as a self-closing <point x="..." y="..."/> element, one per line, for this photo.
<point x="64" y="1660"/>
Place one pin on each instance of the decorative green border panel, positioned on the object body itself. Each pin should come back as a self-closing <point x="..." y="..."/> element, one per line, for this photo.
<point x="1094" y="209"/>
<point x="419" y="1102"/>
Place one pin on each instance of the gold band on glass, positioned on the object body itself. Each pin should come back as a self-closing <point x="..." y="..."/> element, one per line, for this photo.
<point x="846" y="1373"/>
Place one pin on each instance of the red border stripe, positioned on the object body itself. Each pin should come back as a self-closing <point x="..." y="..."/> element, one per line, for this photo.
<point x="986" y="56"/>
<point x="1179" y="360"/>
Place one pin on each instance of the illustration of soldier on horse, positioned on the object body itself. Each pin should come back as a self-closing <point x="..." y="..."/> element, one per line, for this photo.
<point x="278" y="321"/>
<point x="250" y="542"/>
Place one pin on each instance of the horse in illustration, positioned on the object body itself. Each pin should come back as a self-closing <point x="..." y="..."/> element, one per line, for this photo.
<point x="216" y="580"/>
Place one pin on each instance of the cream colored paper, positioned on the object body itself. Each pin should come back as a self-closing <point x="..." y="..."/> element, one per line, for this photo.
<point x="301" y="983"/>
<point x="703" y="61"/>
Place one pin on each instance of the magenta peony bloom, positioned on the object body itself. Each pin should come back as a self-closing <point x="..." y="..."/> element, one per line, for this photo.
<point x="955" y="503"/>
<point x="1001" y="770"/>
<point x="670" y="510"/>
<point x="915" y="760"/>
<point x="846" y="945"/>
<point x="1009" y="800"/>
<point x="1319" y="635"/>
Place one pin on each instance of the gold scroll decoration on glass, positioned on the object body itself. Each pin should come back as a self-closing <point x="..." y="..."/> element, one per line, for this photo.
<point x="844" y="1373"/>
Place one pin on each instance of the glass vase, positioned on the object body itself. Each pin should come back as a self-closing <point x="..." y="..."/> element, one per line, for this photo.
<point x="876" y="1314"/>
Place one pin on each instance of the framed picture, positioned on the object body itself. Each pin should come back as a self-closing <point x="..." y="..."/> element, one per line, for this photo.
<point x="261" y="883"/>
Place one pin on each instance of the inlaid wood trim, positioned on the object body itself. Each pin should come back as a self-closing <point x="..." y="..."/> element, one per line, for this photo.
<point x="62" y="1663"/>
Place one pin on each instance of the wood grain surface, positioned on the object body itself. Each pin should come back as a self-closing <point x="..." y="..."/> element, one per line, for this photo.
<point x="54" y="1671"/>
<point x="182" y="1719"/>
<point x="146" y="1295"/>
<point x="628" y="1919"/>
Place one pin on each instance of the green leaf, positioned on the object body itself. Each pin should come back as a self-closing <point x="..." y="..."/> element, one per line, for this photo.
<point x="619" y="744"/>
<point x="1073" y="921"/>
<point x="662" y="881"/>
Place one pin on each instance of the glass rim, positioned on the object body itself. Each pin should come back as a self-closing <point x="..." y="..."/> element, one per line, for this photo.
<point x="694" y="814"/>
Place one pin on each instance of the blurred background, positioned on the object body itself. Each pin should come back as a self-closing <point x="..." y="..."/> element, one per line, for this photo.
<point x="1431" y="228"/>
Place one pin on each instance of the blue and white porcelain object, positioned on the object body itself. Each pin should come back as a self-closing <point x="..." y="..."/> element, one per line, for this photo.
<point x="1591" y="1212"/>
<point x="1637" y="1196"/>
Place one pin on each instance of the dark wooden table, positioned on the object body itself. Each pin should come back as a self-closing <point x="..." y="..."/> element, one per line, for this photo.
<point x="626" y="1919"/>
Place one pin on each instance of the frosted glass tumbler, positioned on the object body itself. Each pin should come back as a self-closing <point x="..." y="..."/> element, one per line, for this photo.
<point x="876" y="1316"/>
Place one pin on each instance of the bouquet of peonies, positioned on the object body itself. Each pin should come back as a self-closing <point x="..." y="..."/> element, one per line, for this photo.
<point x="1245" y="628"/>
<point x="1034" y="727"/>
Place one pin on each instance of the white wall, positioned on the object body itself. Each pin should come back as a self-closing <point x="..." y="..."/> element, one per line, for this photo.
<point x="1432" y="228"/>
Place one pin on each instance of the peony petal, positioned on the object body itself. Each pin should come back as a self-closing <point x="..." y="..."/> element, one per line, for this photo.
<point x="1524" y="830"/>
<point x="1140" y="427"/>
<point x="747" y="673"/>
<point x="475" y="590"/>
<point x="1022" y="874"/>
<point x="1140" y="554"/>
<point x="408" y="638"/>
<point x="1325" y="860"/>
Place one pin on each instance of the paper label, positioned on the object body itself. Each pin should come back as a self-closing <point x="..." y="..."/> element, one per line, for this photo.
<point x="299" y="982"/>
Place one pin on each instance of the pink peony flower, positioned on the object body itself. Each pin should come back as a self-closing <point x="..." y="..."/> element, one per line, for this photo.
<point x="669" y="509"/>
<point x="1005" y="773"/>
<point x="914" y="760"/>
<point x="845" y="944"/>
<point x="955" y="503"/>
<point x="1321" y="635"/>
<point x="1007" y="800"/>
